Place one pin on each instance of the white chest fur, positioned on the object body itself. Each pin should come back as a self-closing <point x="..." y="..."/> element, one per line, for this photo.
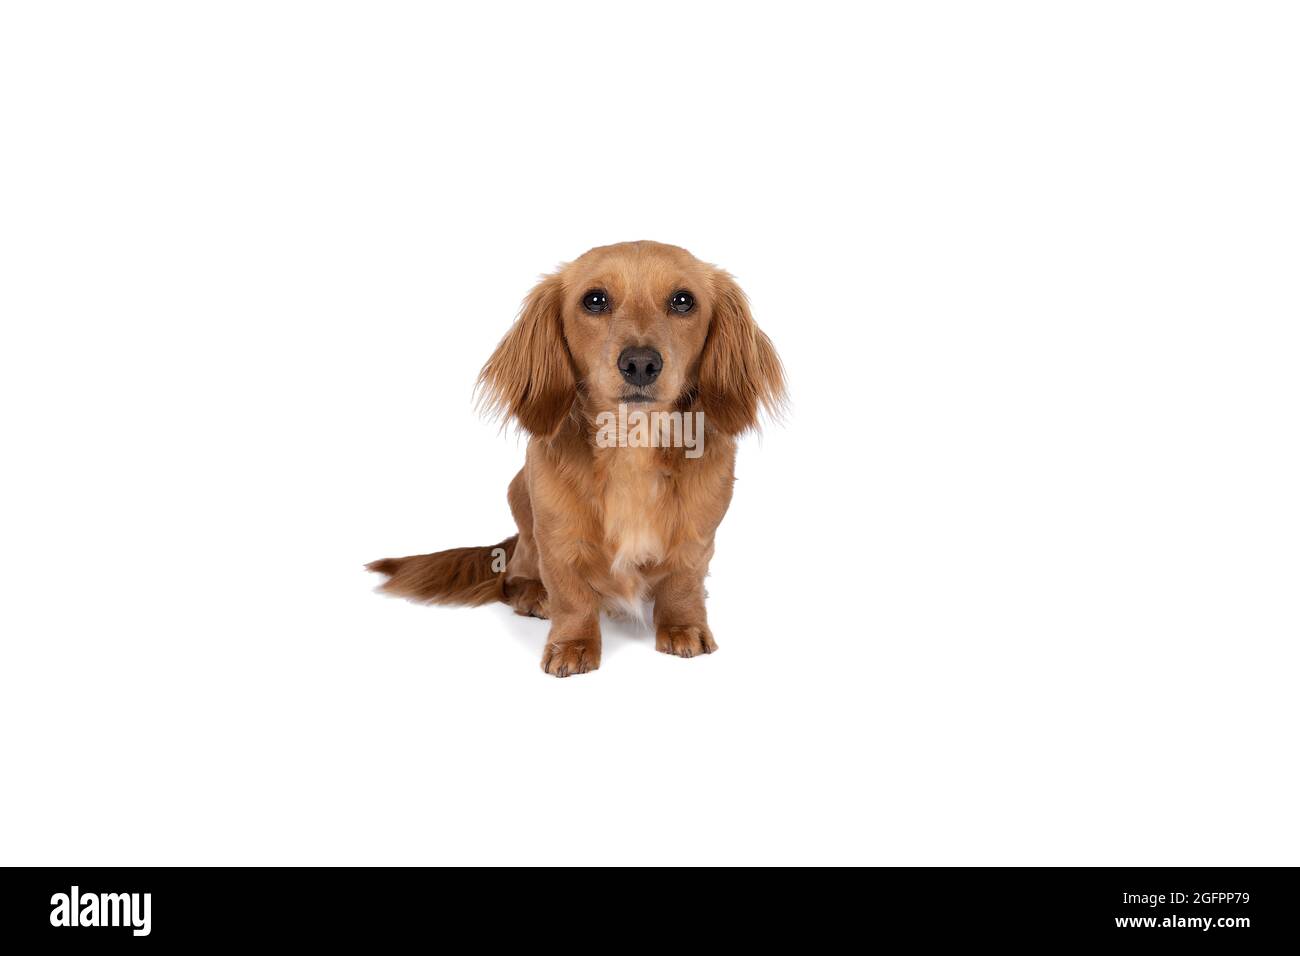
<point x="634" y="503"/>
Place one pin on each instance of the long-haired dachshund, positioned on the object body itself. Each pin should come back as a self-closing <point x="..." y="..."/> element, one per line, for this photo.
<point x="633" y="368"/>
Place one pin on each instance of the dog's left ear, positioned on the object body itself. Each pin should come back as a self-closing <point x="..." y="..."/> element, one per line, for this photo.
<point x="740" y="372"/>
<point x="530" y="375"/>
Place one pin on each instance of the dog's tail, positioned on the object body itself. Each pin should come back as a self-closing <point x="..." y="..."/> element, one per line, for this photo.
<point x="459" y="576"/>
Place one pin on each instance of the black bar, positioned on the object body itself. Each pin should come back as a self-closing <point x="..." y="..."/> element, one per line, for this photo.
<point x="1225" y="908"/>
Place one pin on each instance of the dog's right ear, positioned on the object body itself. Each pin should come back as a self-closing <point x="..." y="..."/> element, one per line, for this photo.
<point x="530" y="375"/>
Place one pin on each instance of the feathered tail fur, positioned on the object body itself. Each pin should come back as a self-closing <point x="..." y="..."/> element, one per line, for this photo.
<point x="459" y="576"/>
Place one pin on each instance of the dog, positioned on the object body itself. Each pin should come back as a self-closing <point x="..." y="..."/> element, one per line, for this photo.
<point x="606" y="522"/>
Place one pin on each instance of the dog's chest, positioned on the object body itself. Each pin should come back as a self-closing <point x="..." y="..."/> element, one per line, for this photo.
<point x="635" y="506"/>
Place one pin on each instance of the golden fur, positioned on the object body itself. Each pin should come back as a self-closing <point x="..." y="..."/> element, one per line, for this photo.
<point x="612" y="527"/>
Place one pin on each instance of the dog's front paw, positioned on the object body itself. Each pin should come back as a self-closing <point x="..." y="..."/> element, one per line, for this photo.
<point x="564" y="658"/>
<point x="685" y="640"/>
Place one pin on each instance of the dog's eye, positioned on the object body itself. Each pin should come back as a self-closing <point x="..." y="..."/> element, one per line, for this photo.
<point x="596" y="301"/>
<point x="681" y="302"/>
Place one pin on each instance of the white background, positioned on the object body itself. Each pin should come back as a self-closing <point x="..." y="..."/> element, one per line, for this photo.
<point x="1015" y="582"/>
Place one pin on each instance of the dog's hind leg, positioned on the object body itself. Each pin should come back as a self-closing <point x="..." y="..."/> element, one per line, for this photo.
<point x="523" y="589"/>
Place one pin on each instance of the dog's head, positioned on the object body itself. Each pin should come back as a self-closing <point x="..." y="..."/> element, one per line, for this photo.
<point x="639" y="323"/>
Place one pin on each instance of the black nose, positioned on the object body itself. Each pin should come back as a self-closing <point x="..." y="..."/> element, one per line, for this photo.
<point x="640" y="366"/>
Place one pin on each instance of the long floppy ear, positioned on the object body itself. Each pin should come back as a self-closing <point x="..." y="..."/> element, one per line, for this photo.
<point x="739" y="369"/>
<point x="530" y="375"/>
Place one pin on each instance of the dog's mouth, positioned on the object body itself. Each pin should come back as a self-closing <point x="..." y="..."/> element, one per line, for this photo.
<point x="636" y="398"/>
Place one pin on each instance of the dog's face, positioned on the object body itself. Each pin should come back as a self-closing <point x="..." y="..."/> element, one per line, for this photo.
<point x="640" y="323"/>
<point x="635" y="320"/>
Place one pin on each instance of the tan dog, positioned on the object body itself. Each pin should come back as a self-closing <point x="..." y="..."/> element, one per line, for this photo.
<point x="611" y="515"/>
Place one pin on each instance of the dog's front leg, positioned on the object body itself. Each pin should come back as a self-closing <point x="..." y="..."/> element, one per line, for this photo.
<point x="681" y="626"/>
<point x="573" y="646"/>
